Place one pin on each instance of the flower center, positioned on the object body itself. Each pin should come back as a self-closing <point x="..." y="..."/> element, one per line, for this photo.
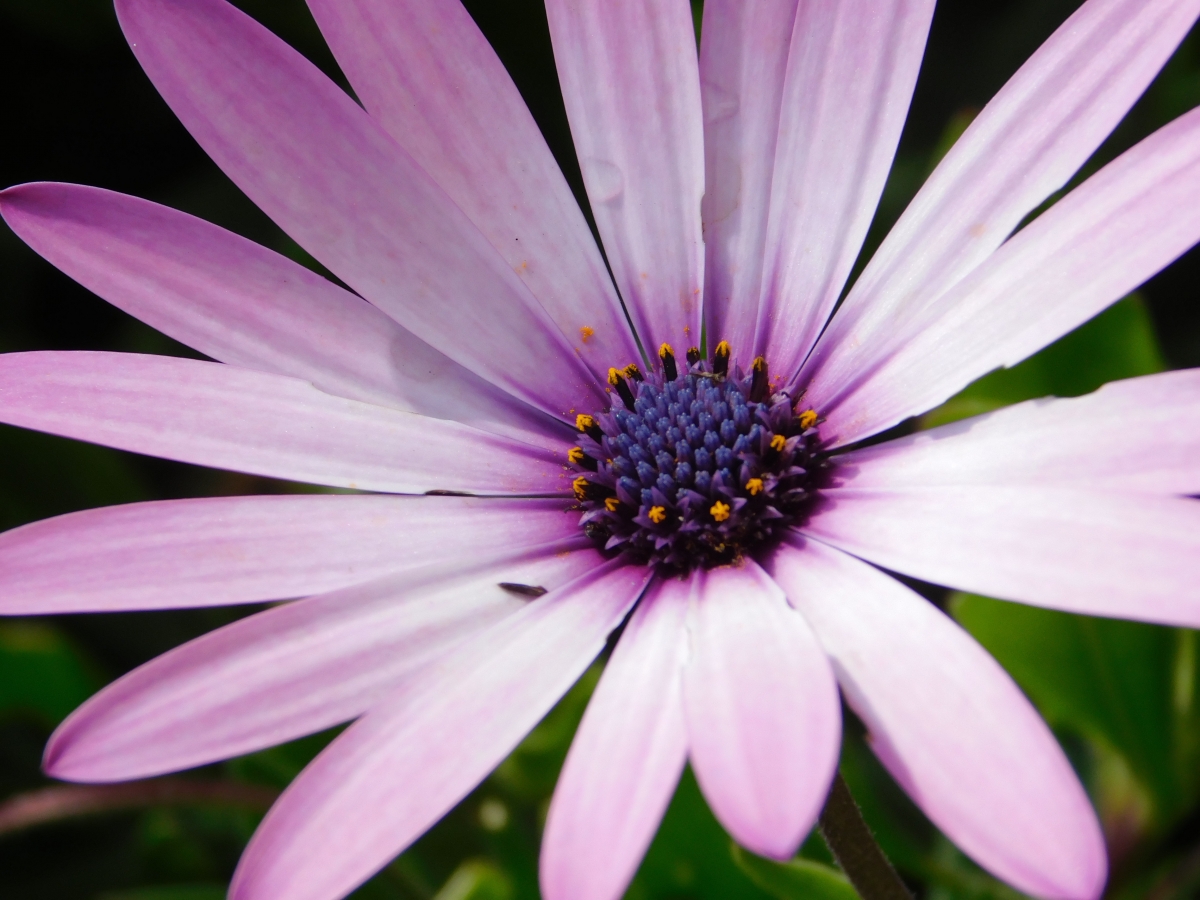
<point x="698" y="467"/>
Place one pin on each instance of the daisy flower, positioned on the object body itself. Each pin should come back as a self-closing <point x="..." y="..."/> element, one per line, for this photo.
<point x="547" y="454"/>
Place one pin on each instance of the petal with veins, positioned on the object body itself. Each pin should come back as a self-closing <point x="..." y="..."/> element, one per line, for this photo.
<point x="743" y="60"/>
<point x="332" y="178"/>
<point x="426" y="73"/>
<point x="295" y="669"/>
<point x="762" y="709"/>
<point x="246" y="305"/>
<point x="950" y="725"/>
<point x="1141" y="434"/>
<point x="630" y="81"/>
<point x="216" y="415"/>
<point x="625" y="760"/>
<point x="402" y="766"/>
<point x="1099" y="552"/>
<point x="1025" y="144"/>
<point x="850" y="79"/>
<point x="215" y="551"/>
<point x="1121" y="226"/>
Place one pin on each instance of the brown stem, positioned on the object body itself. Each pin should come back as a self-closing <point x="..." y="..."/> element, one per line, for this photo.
<point x="854" y="847"/>
<point x="60" y="802"/>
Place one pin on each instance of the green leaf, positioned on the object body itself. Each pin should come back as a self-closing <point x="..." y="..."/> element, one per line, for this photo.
<point x="170" y="892"/>
<point x="689" y="856"/>
<point x="476" y="880"/>
<point x="1109" y="680"/>
<point x="1118" y="343"/>
<point x="796" y="879"/>
<point x="41" y="672"/>
<point x="43" y="475"/>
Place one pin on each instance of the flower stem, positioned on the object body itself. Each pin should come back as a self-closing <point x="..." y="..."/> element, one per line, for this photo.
<point x="854" y="847"/>
<point x="69" y="801"/>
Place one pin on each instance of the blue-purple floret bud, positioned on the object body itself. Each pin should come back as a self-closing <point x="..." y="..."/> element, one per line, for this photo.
<point x="696" y="474"/>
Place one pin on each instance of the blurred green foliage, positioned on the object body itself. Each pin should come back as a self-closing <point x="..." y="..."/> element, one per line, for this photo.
<point x="1121" y="696"/>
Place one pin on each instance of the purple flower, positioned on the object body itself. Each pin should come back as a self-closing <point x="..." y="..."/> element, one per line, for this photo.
<point x="721" y="505"/>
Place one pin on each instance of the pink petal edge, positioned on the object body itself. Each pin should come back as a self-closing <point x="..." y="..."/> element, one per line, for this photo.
<point x="215" y="551"/>
<point x="763" y="717"/>
<point x="243" y="304"/>
<point x="950" y="725"/>
<point x="625" y="759"/>
<point x="299" y="668"/>
<point x="396" y="771"/>
<point x="223" y="416"/>
<point x="631" y="84"/>
<point x="334" y="180"/>
<point x="428" y="75"/>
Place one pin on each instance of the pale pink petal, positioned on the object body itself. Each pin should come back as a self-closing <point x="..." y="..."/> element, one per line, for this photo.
<point x="243" y="304"/>
<point x="625" y="760"/>
<point x="1140" y="434"/>
<point x="743" y="60"/>
<point x="400" y="768"/>
<point x="298" y="668"/>
<point x="333" y="179"/>
<point x="950" y="725"/>
<point x="1026" y="144"/>
<point x="426" y="73"/>
<point x="763" y="718"/>
<point x="215" y="551"/>
<point x="216" y="415"/>
<point x="1089" y="250"/>
<point x="1100" y="552"/>
<point x="630" y="81"/>
<point x="850" y="79"/>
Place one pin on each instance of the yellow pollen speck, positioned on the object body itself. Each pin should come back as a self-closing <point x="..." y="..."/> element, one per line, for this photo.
<point x="587" y="332"/>
<point x="580" y="486"/>
<point x="576" y="455"/>
<point x="611" y="504"/>
<point x="656" y="515"/>
<point x="754" y="486"/>
<point x="808" y="418"/>
<point x="778" y="442"/>
<point x="583" y="422"/>
<point x="720" y="511"/>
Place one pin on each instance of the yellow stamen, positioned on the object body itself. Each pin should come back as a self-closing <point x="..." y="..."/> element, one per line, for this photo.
<point x="657" y="515"/>
<point x="754" y="486"/>
<point x="758" y="381"/>
<point x="721" y="359"/>
<point x="632" y="372"/>
<point x="612" y="504"/>
<point x="666" y="355"/>
<point x="778" y="442"/>
<point x="580" y="486"/>
<point x="614" y="377"/>
<point x="808" y="418"/>
<point x="720" y="511"/>
<point x="576" y="455"/>
<point x="584" y="422"/>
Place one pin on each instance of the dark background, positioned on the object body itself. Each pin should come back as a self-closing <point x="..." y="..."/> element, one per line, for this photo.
<point x="77" y="108"/>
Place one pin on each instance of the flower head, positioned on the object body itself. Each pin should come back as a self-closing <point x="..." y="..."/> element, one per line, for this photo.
<point x="716" y="497"/>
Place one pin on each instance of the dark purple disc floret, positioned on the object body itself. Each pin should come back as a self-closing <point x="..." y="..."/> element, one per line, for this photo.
<point x="696" y="468"/>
